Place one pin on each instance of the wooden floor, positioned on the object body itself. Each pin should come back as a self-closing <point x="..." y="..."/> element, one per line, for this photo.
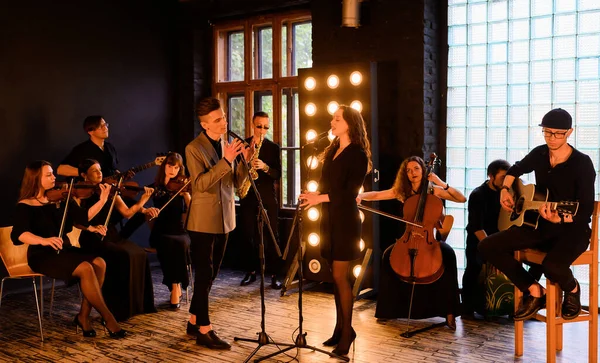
<point x="235" y="312"/>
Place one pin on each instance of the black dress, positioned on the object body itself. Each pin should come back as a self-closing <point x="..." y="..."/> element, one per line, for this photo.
<point x="44" y="221"/>
<point x="171" y="240"/>
<point x="439" y="298"/>
<point x="341" y="227"/>
<point x="127" y="285"/>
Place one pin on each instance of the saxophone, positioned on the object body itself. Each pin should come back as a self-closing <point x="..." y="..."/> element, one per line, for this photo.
<point x="242" y="191"/>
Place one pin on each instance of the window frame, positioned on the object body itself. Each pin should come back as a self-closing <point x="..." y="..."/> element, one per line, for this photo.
<point x="223" y="89"/>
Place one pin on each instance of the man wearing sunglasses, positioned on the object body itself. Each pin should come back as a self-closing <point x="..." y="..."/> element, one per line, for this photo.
<point x="568" y="175"/>
<point x="266" y="161"/>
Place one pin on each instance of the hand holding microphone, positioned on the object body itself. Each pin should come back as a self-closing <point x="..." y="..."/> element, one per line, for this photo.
<point x="233" y="149"/>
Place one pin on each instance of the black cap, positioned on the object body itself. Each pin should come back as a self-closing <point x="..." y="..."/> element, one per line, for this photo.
<point x="557" y="119"/>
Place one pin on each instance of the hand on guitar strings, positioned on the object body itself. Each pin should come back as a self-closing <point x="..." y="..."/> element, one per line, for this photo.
<point x="506" y="200"/>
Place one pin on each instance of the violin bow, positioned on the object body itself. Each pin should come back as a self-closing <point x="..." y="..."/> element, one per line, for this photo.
<point x="377" y="211"/>
<point x="173" y="197"/>
<point x="112" y="206"/>
<point x="64" y="217"/>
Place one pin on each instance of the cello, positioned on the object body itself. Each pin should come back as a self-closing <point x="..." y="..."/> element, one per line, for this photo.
<point x="416" y="256"/>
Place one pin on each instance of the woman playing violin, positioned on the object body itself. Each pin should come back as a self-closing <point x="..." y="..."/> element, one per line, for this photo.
<point x="37" y="223"/>
<point x="168" y="235"/>
<point x="128" y="287"/>
<point x="439" y="298"/>
<point x="345" y="163"/>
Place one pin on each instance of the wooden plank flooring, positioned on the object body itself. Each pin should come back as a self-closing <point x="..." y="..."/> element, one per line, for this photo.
<point x="235" y="311"/>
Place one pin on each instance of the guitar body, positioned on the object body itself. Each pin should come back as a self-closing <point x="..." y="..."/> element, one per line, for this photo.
<point x="527" y="200"/>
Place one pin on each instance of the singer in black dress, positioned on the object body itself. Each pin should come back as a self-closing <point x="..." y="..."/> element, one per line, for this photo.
<point x="168" y="235"/>
<point x="128" y="287"/>
<point x="346" y="161"/>
<point x="37" y="223"/>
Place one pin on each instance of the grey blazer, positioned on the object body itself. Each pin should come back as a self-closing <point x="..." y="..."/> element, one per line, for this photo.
<point x="213" y="184"/>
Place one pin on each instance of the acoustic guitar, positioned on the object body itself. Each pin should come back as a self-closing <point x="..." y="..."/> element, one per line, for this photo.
<point x="527" y="200"/>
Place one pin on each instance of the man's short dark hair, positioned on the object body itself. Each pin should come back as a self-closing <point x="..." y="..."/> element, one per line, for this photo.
<point x="497" y="165"/>
<point x="91" y="123"/>
<point x="207" y="105"/>
<point x="259" y="114"/>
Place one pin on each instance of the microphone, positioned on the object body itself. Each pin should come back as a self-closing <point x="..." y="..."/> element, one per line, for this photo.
<point x="236" y="136"/>
<point x="318" y="138"/>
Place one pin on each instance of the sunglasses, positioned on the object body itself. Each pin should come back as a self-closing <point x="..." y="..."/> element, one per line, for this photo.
<point x="262" y="127"/>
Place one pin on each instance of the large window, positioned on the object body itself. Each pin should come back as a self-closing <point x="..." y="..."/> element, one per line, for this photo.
<point x="511" y="61"/>
<point x="255" y="69"/>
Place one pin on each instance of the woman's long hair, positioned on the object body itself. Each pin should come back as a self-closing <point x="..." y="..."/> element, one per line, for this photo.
<point x="357" y="131"/>
<point x="172" y="158"/>
<point x="31" y="184"/>
<point x="402" y="186"/>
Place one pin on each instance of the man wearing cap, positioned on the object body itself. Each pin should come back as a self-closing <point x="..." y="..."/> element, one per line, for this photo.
<point x="568" y="175"/>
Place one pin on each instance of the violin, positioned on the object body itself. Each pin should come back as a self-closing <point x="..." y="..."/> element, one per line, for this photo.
<point x="84" y="190"/>
<point x="416" y="256"/>
<point x="175" y="186"/>
<point x="179" y="184"/>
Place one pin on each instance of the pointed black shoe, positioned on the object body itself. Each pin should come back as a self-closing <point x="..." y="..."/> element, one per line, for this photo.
<point x="343" y="348"/>
<point x="335" y="338"/>
<point x="86" y="333"/>
<point x="571" y="306"/>
<point x="530" y="305"/>
<point x="119" y="334"/>
<point x="248" y="279"/>
<point x="275" y="284"/>
<point x="212" y="341"/>
<point x="192" y="330"/>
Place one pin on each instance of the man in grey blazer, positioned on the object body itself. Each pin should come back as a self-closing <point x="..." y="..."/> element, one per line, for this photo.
<point x="214" y="172"/>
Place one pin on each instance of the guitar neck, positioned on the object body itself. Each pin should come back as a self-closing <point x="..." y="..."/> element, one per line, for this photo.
<point x="530" y="205"/>
<point x="136" y="169"/>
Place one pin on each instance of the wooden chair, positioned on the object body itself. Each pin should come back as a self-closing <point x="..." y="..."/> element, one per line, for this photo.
<point x="15" y="261"/>
<point x="189" y="270"/>
<point x="552" y="317"/>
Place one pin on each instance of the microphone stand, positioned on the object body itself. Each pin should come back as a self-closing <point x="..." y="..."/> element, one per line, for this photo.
<point x="300" y="341"/>
<point x="263" y="220"/>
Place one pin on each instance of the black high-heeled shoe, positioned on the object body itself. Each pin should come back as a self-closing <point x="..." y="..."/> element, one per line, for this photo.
<point x="343" y="350"/>
<point x="335" y="338"/>
<point x="176" y="305"/>
<point x="119" y="334"/>
<point x="86" y="333"/>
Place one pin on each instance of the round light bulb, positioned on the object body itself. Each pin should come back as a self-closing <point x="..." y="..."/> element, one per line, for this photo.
<point x="313" y="239"/>
<point x="357" y="105"/>
<point x="332" y="107"/>
<point x="362" y="216"/>
<point x="361" y="244"/>
<point x="310" y="109"/>
<point x="312" y="162"/>
<point x="356" y="270"/>
<point x="312" y="186"/>
<point x="314" y="266"/>
<point x="356" y="78"/>
<point x="310" y="83"/>
<point x="333" y="81"/>
<point x="311" y="135"/>
<point x="313" y="214"/>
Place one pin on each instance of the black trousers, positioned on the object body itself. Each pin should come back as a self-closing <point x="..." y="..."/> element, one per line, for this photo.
<point x="251" y="236"/>
<point x="471" y="295"/>
<point x="207" y="250"/>
<point x="563" y="243"/>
